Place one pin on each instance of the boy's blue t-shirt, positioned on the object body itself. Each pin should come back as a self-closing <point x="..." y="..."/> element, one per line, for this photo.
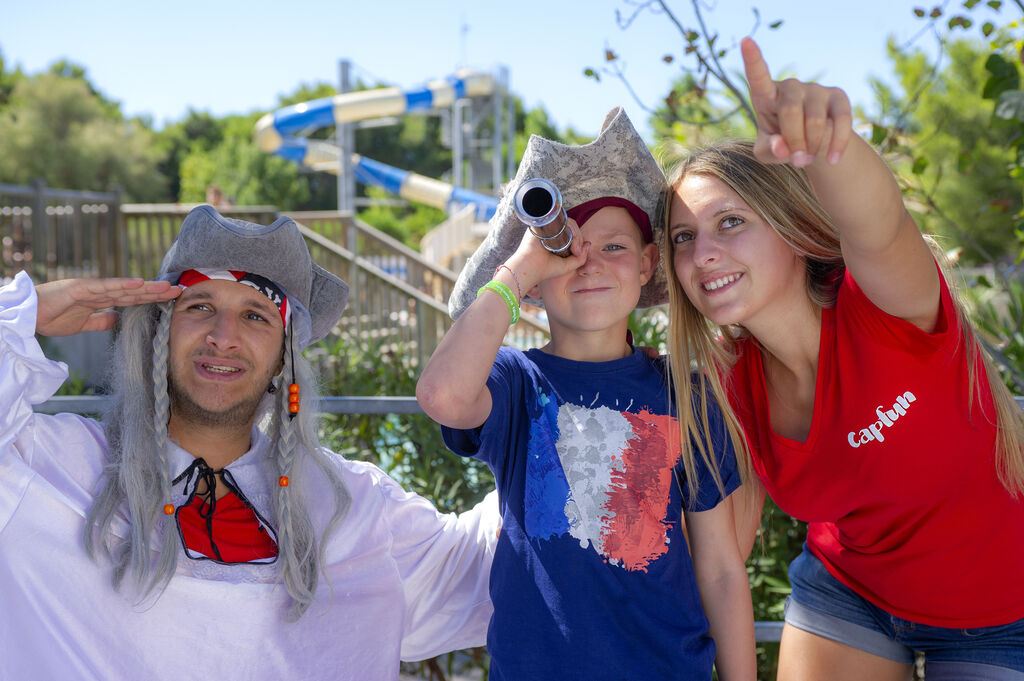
<point x="592" y="577"/>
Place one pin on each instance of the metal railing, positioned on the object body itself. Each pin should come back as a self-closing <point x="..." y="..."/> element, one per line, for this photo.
<point x="764" y="632"/>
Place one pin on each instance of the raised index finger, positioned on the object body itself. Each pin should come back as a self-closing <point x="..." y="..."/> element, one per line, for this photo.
<point x="759" y="78"/>
<point x="842" y="120"/>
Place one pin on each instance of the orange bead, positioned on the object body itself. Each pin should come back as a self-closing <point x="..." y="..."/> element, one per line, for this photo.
<point x="169" y="509"/>
<point x="293" y="408"/>
<point x="293" y="388"/>
<point x="293" y="399"/>
<point x="283" y="481"/>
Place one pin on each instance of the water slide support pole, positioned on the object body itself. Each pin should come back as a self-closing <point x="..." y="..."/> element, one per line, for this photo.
<point x="510" y="135"/>
<point x="458" y="141"/>
<point x="345" y="137"/>
<point x="498" y="129"/>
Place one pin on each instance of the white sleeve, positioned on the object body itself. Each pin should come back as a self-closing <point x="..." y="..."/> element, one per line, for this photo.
<point x="27" y="377"/>
<point x="444" y="561"/>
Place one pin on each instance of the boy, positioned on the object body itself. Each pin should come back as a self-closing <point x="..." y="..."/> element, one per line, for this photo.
<point x="592" y="577"/>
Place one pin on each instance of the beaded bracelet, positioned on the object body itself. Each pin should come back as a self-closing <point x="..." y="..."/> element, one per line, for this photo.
<point x="519" y="289"/>
<point x="506" y="294"/>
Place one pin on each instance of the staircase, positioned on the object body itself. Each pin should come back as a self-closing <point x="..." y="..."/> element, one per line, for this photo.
<point x="396" y="295"/>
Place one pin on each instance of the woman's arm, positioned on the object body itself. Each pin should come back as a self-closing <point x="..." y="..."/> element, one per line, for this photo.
<point x="810" y="126"/>
<point x="748" y="505"/>
<point x="724" y="589"/>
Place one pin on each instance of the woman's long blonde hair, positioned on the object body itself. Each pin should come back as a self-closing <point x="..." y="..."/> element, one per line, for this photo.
<point x="783" y="197"/>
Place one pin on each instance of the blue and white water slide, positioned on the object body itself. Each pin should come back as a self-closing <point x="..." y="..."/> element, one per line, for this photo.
<point x="276" y="133"/>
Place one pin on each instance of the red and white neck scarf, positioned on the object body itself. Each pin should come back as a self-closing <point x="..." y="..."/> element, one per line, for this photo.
<point x="265" y="286"/>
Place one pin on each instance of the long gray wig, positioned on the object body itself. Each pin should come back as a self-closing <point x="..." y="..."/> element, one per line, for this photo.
<point x="136" y="480"/>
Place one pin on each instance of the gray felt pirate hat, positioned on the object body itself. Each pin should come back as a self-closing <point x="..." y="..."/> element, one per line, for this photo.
<point x="276" y="251"/>
<point x="616" y="164"/>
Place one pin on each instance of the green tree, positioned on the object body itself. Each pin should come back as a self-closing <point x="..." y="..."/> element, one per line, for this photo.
<point x="406" y="223"/>
<point x="200" y="130"/>
<point x="690" y="116"/>
<point x="953" y="163"/>
<point x="244" y="173"/>
<point x="69" y="70"/>
<point x="537" y="121"/>
<point x="8" y="79"/>
<point x="57" y="128"/>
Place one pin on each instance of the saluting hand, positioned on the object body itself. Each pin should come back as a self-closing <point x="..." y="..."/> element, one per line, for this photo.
<point x="71" y="306"/>
<point x="796" y="121"/>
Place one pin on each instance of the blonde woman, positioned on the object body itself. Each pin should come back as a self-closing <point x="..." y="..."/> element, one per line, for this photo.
<point x="866" y="401"/>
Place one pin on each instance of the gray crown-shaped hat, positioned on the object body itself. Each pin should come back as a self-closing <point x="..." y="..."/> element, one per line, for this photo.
<point x="617" y="163"/>
<point x="276" y="251"/>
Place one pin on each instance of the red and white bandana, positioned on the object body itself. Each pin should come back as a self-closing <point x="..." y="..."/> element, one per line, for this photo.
<point x="265" y="286"/>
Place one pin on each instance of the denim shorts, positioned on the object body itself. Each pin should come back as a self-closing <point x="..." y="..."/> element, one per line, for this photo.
<point x="822" y="605"/>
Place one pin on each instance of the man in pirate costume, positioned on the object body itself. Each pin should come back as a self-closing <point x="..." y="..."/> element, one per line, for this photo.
<point x="200" y="528"/>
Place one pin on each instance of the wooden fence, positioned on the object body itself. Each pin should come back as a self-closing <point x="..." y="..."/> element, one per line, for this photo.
<point x="55" y="234"/>
<point x="150" y="228"/>
<point x="397" y="298"/>
<point x="384" y="252"/>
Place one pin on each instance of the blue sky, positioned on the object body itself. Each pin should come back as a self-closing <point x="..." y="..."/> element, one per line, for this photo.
<point x="235" y="57"/>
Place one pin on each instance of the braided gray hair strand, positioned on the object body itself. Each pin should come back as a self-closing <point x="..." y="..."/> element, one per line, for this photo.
<point x="136" y="474"/>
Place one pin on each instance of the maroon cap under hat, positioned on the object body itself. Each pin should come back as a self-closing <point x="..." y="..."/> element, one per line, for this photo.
<point x="586" y="210"/>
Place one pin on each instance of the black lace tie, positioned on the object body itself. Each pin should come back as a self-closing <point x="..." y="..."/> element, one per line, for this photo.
<point x="199" y="471"/>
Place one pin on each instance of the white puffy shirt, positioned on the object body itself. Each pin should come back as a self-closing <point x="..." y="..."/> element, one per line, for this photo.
<point x="402" y="580"/>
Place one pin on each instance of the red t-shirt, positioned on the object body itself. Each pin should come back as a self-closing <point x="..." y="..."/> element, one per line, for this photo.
<point x="897" y="477"/>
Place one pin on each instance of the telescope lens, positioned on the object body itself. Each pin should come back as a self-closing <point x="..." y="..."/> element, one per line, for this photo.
<point x="537" y="202"/>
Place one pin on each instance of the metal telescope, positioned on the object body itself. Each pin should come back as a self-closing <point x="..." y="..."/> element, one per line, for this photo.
<point x="538" y="205"/>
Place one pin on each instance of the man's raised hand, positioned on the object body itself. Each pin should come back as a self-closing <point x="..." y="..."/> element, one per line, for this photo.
<point x="71" y="306"/>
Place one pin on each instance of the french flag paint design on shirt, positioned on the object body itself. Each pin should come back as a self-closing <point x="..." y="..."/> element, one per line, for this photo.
<point x="610" y="485"/>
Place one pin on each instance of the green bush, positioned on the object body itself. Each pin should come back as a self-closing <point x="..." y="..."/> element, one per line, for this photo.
<point x="406" y="446"/>
<point x="997" y="310"/>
